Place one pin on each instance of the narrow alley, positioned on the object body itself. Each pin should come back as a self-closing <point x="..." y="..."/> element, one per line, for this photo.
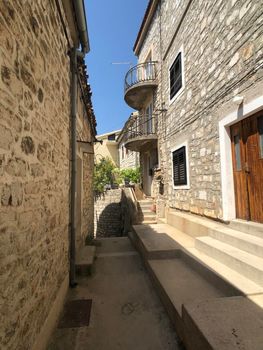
<point x="126" y="313"/>
<point x="131" y="175"/>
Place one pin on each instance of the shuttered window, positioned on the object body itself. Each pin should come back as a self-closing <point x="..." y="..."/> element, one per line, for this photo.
<point x="179" y="167"/>
<point x="176" y="81"/>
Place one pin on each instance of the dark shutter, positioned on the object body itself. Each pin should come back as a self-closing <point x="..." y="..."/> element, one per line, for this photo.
<point x="179" y="167"/>
<point x="176" y="76"/>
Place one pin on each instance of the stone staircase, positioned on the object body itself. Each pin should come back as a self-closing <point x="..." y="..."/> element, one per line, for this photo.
<point x="145" y="213"/>
<point x="208" y="276"/>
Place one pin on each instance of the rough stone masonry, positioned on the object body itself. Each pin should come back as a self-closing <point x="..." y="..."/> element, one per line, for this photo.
<point x="222" y="49"/>
<point x="35" y="167"/>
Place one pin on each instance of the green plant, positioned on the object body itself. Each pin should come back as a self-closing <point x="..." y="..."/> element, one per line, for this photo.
<point x="103" y="174"/>
<point x="133" y="175"/>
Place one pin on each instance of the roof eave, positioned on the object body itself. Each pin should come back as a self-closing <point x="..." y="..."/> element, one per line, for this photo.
<point x="147" y="19"/>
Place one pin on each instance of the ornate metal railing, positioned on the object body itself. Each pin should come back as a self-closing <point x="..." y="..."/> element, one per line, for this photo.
<point x="139" y="126"/>
<point x="141" y="73"/>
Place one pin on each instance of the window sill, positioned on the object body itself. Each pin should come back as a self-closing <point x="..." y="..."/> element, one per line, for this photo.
<point x="179" y="92"/>
<point x="181" y="187"/>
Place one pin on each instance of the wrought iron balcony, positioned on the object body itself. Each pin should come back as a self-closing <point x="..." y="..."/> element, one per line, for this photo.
<point x="140" y="132"/>
<point x="139" y="83"/>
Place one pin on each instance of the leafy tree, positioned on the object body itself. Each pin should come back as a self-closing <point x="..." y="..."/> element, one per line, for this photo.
<point x="133" y="175"/>
<point x="103" y="174"/>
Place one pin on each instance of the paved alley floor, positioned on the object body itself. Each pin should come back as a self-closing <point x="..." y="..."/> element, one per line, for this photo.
<point x="126" y="313"/>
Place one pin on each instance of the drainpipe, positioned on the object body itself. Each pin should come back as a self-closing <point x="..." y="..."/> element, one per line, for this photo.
<point x="74" y="53"/>
<point x="82" y="25"/>
<point x="73" y="64"/>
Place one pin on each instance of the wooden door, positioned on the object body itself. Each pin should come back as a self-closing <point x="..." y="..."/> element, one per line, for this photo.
<point x="247" y="155"/>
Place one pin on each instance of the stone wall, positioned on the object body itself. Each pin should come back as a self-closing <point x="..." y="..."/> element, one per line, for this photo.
<point x="108" y="214"/>
<point x="34" y="167"/>
<point x="223" y="49"/>
<point x="87" y="228"/>
<point x="128" y="159"/>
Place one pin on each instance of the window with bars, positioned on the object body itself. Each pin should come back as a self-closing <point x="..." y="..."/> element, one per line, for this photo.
<point x="176" y="79"/>
<point x="179" y="167"/>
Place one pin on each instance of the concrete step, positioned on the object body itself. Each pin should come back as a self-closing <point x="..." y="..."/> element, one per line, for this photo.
<point x="157" y="246"/>
<point x="191" y="224"/>
<point x="188" y="280"/>
<point x="247" y="242"/>
<point x="178" y="284"/>
<point x="252" y="228"/>
<point x="223" y="324"/>
<point x="242" y="284"/>
<point x="84" y="260"/>
<point x="244" y="263"/>
<point x="164" y="241"/>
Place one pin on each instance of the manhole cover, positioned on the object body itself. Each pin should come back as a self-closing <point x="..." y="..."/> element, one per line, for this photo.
<point x="76" y="314"/>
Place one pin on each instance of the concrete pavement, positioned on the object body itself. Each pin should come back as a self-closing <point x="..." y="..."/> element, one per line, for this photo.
<point x="126" y="313"/>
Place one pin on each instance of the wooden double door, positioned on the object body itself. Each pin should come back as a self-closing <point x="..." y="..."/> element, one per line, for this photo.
<point x="247" y="155"/>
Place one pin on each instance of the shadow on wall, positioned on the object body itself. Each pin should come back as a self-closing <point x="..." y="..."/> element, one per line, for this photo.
<point x="109" y="221"/>
<point x="129" y="211"/>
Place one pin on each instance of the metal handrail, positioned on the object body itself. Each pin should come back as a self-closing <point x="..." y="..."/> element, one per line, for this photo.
<point x="141" y="125"/>
<point x="140" y="73"/>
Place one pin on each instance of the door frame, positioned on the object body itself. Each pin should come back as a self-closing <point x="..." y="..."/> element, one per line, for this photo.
<point x="147" y="188"/>
<point x="240" y="112"/>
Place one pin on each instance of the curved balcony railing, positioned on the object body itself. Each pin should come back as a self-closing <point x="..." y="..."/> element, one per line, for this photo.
<point x="143" y="72"/>
<point x="140" y="126"/>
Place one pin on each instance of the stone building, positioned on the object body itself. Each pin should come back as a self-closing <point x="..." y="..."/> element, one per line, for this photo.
<point x="198" y="89"/>
<point x="127" y="159"/>
<point x="47" y="130"/>
<point x="107" y="147"/>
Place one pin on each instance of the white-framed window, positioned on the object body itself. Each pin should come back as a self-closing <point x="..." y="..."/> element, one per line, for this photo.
<point x="176" y="76"/>
<point x="180" y="167"/>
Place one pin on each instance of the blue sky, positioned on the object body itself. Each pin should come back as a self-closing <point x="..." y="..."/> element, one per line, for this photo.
<point x="113" y="26"/>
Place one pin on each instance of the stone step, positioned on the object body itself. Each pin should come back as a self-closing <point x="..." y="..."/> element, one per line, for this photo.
<point x="145" y="201"/>
<point x="178" y="284"/>
<point x="148" y="217"/>
<point x="84" y="260"/>
<point x="247" y="242"/>
<point x="148" y="212"/>
<point x="149" y="222"/>
<point x="244" y="263"/>
<point x="252" y="228"/>
<point x="162" y="221"/>
<point x="145" y="207"/>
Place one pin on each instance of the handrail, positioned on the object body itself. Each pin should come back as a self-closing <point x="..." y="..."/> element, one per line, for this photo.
<point x="140" y="73"/>
<point x="140" y="125"/>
